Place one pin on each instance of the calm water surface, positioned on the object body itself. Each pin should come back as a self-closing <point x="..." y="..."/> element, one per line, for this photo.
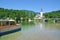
<point x="35" y="31"/>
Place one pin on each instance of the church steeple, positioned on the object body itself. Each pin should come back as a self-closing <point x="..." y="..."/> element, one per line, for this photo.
<point x="41" y="12"/>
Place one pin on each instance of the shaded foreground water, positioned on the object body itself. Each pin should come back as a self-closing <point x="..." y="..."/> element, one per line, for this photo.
<point x="35" y="31"/>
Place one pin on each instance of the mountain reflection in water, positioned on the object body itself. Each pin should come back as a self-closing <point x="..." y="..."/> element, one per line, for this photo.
<point x="35" y="31"/>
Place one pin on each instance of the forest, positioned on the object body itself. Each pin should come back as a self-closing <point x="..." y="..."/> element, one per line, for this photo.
<point x="16" y="14"/>
<point x="53" y="14"/>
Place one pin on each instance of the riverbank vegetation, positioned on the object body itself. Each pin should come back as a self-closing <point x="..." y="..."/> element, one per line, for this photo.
<point x="53" y="14"/>
<point x="16" y="14"/>
<point x="5" y="13"/>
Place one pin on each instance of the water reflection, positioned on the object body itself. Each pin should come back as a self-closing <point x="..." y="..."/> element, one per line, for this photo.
<point x="40" y="25"/>
<point x="53" y="26"/>
<point x="41" y="31"/>
<point x="35" y="31"/>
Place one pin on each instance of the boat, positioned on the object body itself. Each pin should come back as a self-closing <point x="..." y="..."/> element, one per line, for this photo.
<point x="8" y="26"/>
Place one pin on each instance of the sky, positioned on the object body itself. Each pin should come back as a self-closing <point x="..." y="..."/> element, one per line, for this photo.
<point x="33" y="5"/>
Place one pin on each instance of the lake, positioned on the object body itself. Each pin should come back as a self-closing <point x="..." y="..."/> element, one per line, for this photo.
<point x="35" y="31"/>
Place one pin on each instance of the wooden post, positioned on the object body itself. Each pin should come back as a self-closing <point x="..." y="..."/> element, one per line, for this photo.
<point x="0" y="23"/>
<point x="9" y="23"/>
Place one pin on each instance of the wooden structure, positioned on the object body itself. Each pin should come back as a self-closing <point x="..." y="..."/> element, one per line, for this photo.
<point x="8" y="26"/>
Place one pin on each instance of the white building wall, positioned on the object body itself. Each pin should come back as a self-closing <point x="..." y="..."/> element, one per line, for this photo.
<point x="41" y="14"/>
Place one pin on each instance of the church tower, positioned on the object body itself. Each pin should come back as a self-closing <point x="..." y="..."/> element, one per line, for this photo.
<point x="41" y="12"/>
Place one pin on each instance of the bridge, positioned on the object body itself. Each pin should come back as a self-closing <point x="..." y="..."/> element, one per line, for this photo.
<point x="53" y="19"/>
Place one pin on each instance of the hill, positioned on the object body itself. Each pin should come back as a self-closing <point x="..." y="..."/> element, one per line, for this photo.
<point x="53" y="14"/>
<point x="16" y="14"/>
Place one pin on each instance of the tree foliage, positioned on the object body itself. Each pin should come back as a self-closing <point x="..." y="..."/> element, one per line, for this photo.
<point x="53" y="14"/>
<point x="5" y="13"/>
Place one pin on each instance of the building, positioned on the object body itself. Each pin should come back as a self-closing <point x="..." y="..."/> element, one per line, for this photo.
<point x="40" y="15"/>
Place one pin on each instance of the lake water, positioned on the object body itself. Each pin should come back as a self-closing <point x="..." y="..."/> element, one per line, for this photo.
<point x="35" y="31"/>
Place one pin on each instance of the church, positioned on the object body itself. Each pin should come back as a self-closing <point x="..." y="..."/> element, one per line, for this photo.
<point x="40" y="15"/>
